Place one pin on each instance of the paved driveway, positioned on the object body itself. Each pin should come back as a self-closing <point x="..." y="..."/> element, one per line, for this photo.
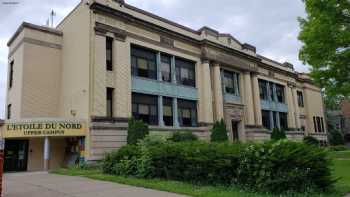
<point x="42" y="184"/>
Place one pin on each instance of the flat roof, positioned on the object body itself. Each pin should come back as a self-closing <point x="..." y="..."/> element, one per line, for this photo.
<point x="35" y="27"/>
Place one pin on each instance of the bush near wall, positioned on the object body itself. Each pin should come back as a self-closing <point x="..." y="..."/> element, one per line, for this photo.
<point x="275" y="167"/>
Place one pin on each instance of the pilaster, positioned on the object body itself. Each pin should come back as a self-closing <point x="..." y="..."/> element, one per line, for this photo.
<point x="218" y="97"/>
<point x="256" y="96"/>
<point x="248" y="99"/>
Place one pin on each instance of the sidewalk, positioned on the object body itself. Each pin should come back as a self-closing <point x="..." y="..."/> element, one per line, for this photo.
<point x="50" y="185"/>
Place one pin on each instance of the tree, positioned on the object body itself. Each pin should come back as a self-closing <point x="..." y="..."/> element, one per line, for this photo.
<point x="335" y="136"/>
<point x="278" y="134"/>
<point x="137" y="130"/>
<point x="325" y="33"/>
<point x="219" y="132"/>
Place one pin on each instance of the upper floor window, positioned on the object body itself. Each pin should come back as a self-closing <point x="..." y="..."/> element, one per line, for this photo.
<point x="145" y="108"/>
<point x="187" y="113"/>
<point x="263" y="90"/>
<point x="185" y="72"/>
<point x="280" y="93"/>
<point x="109" y="53"/>
<point x="231" y="84"/>
<point x="143" y="63"/>
<point x="11" y="74"/>
<point x="166" y="68"/>
<point x="9" y="111"/>
<point x="109" y="95"/>
<point x="300" y="99"/>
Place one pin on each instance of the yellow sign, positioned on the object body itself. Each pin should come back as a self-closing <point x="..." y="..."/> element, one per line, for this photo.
<point x="41" y="129"/>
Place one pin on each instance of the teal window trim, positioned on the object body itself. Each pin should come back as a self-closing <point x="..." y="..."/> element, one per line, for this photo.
<point x="229" y="97"/>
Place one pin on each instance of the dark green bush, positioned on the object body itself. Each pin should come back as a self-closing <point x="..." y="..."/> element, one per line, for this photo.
<point x="137" y="130"/>
<point x="278" y="134"/>
<point x="284" y="166"/>
<point x="114" y="161"/>
<point x="311" y="141"/>
<point x="335" y="136"/>
<point x="276" y="166"/>
<point x="183" y="136"/>
<point x="219" y="132"/>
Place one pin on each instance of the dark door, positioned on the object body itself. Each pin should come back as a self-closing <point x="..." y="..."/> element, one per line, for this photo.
<point x="16" y="155"/>
<point x="235" y="131"/>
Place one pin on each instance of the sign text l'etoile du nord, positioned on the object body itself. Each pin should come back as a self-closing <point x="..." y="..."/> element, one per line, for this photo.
<point x="43" y="129"/>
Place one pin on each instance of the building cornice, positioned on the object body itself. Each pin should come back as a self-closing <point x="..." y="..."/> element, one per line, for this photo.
<point x="34" y="27"/>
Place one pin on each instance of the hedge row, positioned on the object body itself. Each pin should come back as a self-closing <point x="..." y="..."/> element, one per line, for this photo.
<point x="276" y="167"/>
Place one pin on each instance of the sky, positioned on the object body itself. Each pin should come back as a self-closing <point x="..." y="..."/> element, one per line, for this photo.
<point x="271" y="25"/>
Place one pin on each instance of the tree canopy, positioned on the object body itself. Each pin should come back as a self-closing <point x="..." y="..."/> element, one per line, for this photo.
<point x="325" y="33"/>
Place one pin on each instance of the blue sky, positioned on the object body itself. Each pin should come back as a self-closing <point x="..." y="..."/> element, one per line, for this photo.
<point x="270" y="25"/>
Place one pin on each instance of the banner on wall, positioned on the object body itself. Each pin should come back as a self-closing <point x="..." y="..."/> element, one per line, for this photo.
<point x="43" y="129"/>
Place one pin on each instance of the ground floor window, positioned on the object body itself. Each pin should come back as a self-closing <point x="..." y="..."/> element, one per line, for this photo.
<point x="187" y="113"/>
<point x="145" y="108"/>
<point x="168" y="111"/>
<point x="274" y="119"/>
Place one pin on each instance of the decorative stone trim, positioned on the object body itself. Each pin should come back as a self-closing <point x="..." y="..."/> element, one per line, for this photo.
<point x="102" y="29"/>
<point x="247" y="46"/>
<point x="166" y="41"/>
<point x="109" y="119"/>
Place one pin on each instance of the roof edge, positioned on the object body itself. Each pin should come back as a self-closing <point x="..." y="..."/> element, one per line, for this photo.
<point x="34" y="27"/>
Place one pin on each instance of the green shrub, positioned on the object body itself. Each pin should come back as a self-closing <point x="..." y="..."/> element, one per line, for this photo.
<point x="311" y="140"/>
<point x="335" y="136"/>
<point x="275" y="166"/>
<point x="338" y="148"/>
<point x="137" y="130"/>
<point x="285" y="166"/>
<point x="278" y="134"/>
<point x="183" y="136"/>
<point x="118" y="162"/>
<point x="219" y="132"/>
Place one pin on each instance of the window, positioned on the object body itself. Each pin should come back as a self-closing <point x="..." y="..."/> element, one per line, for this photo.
<point x="166" y="68"/>
<point x="272" y="93"/>
<point x="266" y="119"/>
<point x="187" y="113"/>
<point x="275" y="121"/>
<point x="109" y="95"/>
<point x="280" y="93"/>
<point x="109" y="53"/>
<point x="9" y="111"/>
<point x="168" y="111"/>
<point x="300" y="99"/>
<point x="144" y="107"/>
<point x="283" y="120"/>
<point x="11" y="74"/>
<point x="229" y="82"/>
<point x="318" y="124"/>
<point x="263" y="89"/>
<point x="143" y="63"/>
<point x="185" y="72"/>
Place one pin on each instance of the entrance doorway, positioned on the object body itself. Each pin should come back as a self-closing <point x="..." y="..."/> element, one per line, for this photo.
<point x="16" y="155"/>
<point x="235" y="134"/>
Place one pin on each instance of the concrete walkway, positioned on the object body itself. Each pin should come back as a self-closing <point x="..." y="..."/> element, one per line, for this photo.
<point x="42" y="184"/>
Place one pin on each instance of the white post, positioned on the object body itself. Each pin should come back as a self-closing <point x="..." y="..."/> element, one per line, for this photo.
<point x="46" y="153"/>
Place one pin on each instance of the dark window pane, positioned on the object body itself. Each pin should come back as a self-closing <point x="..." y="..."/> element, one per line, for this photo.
<point x="187" y="112"/>
<point x="166" y="68"/>
<point x="280" y="93"/>
<point x="185" y="72"/>
<point x="143" y="62"/>
<point x="11" y="74"/>
<point x="9" y="111"/>
<point x="274" y="116"/>
<point x="167" y="111"/>
<point x="266" y="119"/>
<point x="229" y="82"/>
<point x="109" y="53"/>
<point x="109" y="103"/>
<point x="145" y="108"/>
<point x="300" y="99"/>
<point x="283" y="120"/>
<point x="263" y="89"/>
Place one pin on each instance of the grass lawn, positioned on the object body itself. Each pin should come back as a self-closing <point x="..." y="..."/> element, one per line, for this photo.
<point x="341" y="170"/>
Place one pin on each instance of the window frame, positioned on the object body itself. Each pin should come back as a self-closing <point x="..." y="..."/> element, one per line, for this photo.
<point x="150" y="56"/>
<point x="109" y="99"/>
<point x="152" y="106"/>
<point x="300" y="96"/>
<point x="9" y="111"/>
<point x="280" y="93"/>
<point x="263" y="89"/>
<point x="188" y="65"/>
<point x="168" y="120"/>
<point x="182" y="105"/>
<point x="268" y="122"/>
<point x="11" y="74"/>
<point x="109" y="56"/>
<point x="162" y="65"/>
